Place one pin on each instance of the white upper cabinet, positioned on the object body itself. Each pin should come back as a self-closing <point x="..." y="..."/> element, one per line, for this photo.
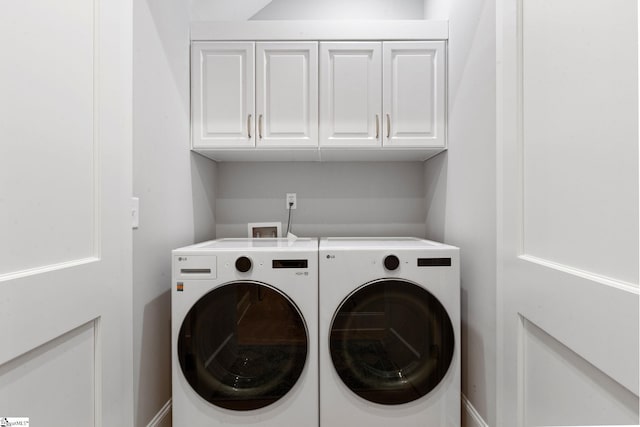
<point x="394" y="102"/>
<point x="287" y="94"/>
<point x="222" y="94"/>
<point x="414" y="94"/>
<point x="351" y="94"/>
<point x="312" y="90"/>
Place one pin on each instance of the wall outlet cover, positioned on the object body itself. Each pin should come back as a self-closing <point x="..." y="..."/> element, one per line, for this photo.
<point x="291" y="201"/>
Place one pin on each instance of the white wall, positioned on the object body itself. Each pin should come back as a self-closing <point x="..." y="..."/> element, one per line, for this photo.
<point x="334" y="199"/>
<point x="461" y="188"/>
<point x="225" y="10"/>
<point x="341" y="9"/>
<point x="175" y="187"/>
<point x="436" y="9"/>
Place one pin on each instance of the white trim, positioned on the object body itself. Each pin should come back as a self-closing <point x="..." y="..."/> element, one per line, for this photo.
<point x="471" y="417"/>
<point x="499" y="206"/>
<point x="46" y="269"/>
<point x="159" y="417"/>
<point x="97" y="372"/>
<point x="603" y="280"/>
<point x="320" y="154"/>
<point x="321" y="30"/>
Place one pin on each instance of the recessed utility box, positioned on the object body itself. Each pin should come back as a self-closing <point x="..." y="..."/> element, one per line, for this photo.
<point x="264" y="229"/>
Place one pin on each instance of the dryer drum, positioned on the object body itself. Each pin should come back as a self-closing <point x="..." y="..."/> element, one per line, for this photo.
<point x="243" y="346"/>
<point x="391" y="341"/>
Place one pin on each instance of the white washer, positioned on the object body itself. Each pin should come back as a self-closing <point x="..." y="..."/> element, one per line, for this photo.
<point x="389" y="333"/>
<point x="244" y="333"/>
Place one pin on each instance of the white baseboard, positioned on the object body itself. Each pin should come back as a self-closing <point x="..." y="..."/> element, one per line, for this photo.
<point x="471" y="417"/>
<point x="161" y="415"/>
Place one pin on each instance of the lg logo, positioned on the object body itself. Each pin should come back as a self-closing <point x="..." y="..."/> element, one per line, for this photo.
<point x="182" y="258"/>
<point x="331" y="256"/>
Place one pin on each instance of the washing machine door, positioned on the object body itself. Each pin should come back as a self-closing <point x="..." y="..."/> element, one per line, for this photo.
<point x="243" y="346"/>
<point x="391" y="341"/>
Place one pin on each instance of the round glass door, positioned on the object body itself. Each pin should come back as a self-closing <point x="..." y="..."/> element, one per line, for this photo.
<point x="243" y="346"/>
<point x="391" y="342"/>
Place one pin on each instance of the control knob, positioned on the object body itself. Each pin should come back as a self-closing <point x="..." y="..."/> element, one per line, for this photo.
<point x="243" y="264"/>
<point x="391" y="262"/>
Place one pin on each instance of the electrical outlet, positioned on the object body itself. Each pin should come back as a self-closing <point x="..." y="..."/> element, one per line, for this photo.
<point x="291" y="201"/>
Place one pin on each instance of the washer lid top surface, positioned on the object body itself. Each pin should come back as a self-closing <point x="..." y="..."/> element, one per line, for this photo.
<point x="246" y="244"/>
<point x="378" y="243"/>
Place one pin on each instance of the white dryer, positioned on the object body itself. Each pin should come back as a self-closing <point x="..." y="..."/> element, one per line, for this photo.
<point x="389" y="333"/>
<point x="244" y="333"/>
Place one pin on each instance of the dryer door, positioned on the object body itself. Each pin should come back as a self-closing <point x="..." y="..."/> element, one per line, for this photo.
<point x="391" y="342"/>
<point x="243" y="345"/>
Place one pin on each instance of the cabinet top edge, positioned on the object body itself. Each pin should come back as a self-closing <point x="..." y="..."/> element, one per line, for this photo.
<point x="320" y="30"/>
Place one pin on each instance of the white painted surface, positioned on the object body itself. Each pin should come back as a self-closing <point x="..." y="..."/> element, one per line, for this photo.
<point x="36" y="129"/>
<point x="566" y="297"/>
<point x="460" y="193"/>
<point x="408" y="111"/>
<point x="581" y="139"/>
<point x="564" y="389"/>
<point x="296" y="29"/>
<point x="135" y="212"/>
<point x="223" y="94"/>
<point x="52" y="380"/>
<point x="378" y="154"/>
<point x="262" y="154"/>
<point x="414" y="87"/>
<point x="287" y="94"/>
<point x="334" y="199"/>
<point x="350" y="94"/>
<point x="224" y="10"/>
<point x="176" y="189"/>
<point x="311" y="154"/>
<point x="66" y="157"/>
<point x="341" y="10"/>
<point x="437" y="9"/>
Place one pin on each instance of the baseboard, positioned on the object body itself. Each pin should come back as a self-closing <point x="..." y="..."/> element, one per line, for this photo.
<point x="471" y="417"/>
<point x="161" y="415"/>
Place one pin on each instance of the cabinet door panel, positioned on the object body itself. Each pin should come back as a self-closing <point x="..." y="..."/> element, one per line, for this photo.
<point x="223" y="94"/>
<point x="287" y="94"/>
<point x="351" y="93"/>
<point x="414" y="91"/>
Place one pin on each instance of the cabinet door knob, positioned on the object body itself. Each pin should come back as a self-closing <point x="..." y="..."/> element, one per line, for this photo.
<point x="249" y="126"/>
<point x="260" y="126"/>
<point x="388" y="126"/>
<point x="377" y="127"/>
